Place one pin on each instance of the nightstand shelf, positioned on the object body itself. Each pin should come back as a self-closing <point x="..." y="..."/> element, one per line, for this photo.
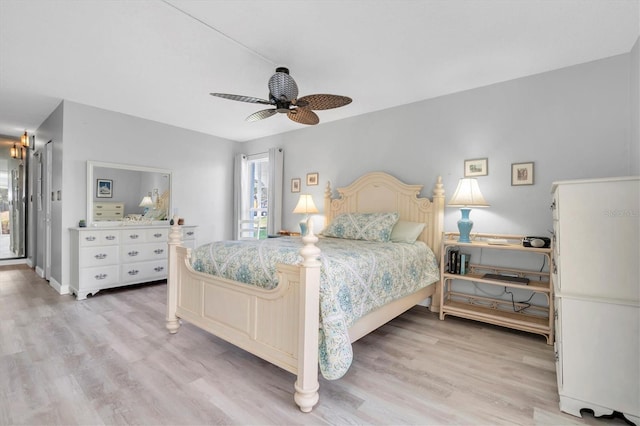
<point x="493" y="310"/>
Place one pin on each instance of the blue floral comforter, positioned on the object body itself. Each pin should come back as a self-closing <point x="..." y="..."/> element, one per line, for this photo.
<point x="356" y="278"/>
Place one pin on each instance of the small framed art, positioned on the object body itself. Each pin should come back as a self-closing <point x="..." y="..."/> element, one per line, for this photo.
<point x="295" y="185"/>
<point x="476" y="167"/>
<point x="522" y="174"/>
<point x="104" y="188"/>
<point x="312" y="179"/>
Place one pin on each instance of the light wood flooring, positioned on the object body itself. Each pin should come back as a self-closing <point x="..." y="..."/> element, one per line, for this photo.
<point x="109" y="360"/>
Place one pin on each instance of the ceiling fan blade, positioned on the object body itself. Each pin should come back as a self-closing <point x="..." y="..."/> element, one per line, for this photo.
<point x="260" y="115"/>
<point x="282" y="86"/>
<point x="242" y="98"/>
<point x="322" y="101"/>
<point x="303" y="116"/>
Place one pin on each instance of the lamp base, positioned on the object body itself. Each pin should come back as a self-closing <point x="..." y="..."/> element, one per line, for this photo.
<point x="464" y="226"/>
<point x="303" y="228"/>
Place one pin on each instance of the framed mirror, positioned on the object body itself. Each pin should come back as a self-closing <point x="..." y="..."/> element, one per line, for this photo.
<point x="127" y="194"/>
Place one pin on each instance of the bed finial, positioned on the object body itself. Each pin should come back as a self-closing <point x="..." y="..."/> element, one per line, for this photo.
<point x="310" y="252"/>
<point x="175" y="234"/>
<point x="438" y="190"/>
<point x="327" y="204"/>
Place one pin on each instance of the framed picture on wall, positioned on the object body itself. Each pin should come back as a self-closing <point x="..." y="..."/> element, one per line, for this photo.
<point x="295" y="185"/>
<point x="476" y="167"/>
<point x="522" y="174"/>
<point x="312" y="179"/>
<point x="104" y="188"/>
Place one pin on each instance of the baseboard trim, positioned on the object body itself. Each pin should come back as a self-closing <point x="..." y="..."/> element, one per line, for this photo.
<point x="62" y="289"/>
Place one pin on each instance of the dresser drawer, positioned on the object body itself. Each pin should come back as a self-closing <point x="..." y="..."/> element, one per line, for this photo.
<point x="99" y="238"/>
<point x="108" y="215"/>
<point x="144" y="271"/>
<point x="189" y="233"/>
<point x="142" y="252"/>
<point x="108" y="211"/>
<point x="189" y="236"/>
<point x="134" y="236"/>
<point x="97" y="256"/>
<point x="157" y="235"/>
<point x="99" y="277"/>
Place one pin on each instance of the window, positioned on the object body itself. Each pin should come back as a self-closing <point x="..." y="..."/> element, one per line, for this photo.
<point x="257" y="206"/>
<point x="258" y="190"/>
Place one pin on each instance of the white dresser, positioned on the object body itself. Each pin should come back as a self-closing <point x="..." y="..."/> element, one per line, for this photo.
<point x="106" y="257"/>
<point x="597" y="293"/>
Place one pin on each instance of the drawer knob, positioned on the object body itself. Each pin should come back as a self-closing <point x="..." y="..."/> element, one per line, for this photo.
<point x="133" y="253"/>
<point x="134" y="236"/>
<point x="190" y="233"/>
<point x="159" y="268"/>
<point x="100" y="276"/>
<point x="157" y="235"/>
<point x="110" y="237"/>
<point x="158" y="251"/>
<point x="90" y="238"/>
<point x="100" y="256"/>
<point x="133" y="272"/>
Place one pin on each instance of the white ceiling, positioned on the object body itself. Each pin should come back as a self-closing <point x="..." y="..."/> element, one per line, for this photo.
<point x="160" y="59"/>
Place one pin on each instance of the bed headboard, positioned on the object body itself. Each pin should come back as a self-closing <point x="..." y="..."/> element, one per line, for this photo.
<point x="378" y="192"/>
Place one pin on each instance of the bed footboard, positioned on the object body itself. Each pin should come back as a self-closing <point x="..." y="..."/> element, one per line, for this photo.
<point x="279" y="325"/>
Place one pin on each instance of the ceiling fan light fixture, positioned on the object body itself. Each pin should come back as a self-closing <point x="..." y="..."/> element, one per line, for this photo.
<point x="283" y="95"/>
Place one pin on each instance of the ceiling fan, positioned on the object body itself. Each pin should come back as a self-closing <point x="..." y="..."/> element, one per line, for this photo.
<point x="283" y="96"/>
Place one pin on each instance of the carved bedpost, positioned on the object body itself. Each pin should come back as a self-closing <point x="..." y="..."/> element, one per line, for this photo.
<point x="327" y="204"/>
<point x="438" y="227"/>
<point x="306" y="386"/>
<point x="175" y="239"/>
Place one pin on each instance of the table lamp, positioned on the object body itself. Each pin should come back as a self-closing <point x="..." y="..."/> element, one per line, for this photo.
<point x="146" y="202"/>
<point x="305" y="206"/>
<point x="467" y="195"/>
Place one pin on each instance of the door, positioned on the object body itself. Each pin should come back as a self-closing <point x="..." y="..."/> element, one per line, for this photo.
<point x="42" y="214"/>
<point x="48" y="169"/>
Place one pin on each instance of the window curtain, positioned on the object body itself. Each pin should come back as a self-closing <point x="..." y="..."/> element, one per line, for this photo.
<point x="276" y="173"/>
<point x="240" y="192"/>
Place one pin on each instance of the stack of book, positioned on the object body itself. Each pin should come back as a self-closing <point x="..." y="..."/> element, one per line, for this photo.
<point x="458" y="262"/>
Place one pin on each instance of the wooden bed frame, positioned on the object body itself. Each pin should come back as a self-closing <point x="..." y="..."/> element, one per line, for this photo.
<point x="281" y="325"/>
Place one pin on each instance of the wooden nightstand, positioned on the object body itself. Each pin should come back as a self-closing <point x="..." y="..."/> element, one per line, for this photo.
<point x="499" y="309"/>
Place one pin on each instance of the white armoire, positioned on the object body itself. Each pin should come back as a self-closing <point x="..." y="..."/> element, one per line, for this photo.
<point x="597" y="295"/>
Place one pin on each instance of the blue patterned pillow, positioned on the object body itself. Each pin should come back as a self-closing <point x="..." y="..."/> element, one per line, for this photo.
<point x="362" y="226"/>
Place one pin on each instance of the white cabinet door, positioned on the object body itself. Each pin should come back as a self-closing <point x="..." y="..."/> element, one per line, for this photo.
<point x="600" y="354"/>
<point x="598" y="230"/>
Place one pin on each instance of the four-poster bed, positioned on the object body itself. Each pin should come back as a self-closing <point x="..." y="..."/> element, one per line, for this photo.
<point x="281" y="325"/>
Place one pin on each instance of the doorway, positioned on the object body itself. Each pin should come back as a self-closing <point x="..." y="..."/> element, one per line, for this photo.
<point x="13" y="173"/>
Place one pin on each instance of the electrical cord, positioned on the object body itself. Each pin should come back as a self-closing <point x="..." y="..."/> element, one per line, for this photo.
<point x="513" y="302"/>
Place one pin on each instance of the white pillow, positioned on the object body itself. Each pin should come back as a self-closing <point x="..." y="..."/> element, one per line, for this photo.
<point x="406" y="232"/>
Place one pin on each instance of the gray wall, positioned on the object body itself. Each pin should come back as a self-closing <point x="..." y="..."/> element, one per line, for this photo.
<point x="572" y="123"/>
<point x="201" y="166"/>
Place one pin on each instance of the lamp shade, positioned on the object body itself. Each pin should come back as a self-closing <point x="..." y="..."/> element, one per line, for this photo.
<point x="305" y="205"/>
<point x="468" y="194"/>
<point x="146" y="201"/>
